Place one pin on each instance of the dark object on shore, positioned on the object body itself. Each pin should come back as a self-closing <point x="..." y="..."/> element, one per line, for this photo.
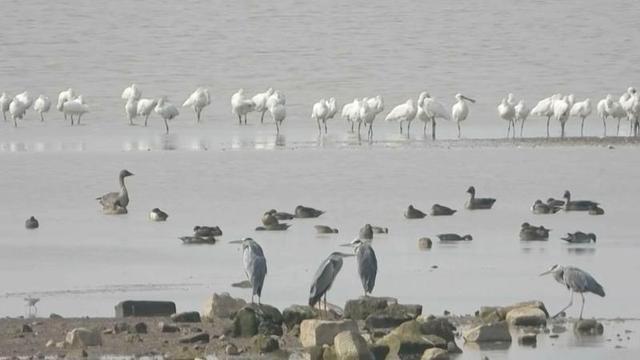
<point x="475" y="203"/>
<point x="441" y="210"/>
<point x="205" y="231"/>
<point x="276" y="227"/>
<point x="197" y="240"/>
<point x="596" y="210"/>
<point x="454" y="237"/>
<point x="31" y="223"/>
<point x="413" y="213"/>
<point x="158" y="215"/>
<point x="529" y="232"/>
<point x="145" y="308"/>
<point x="323" y="229"/>
<point x="304" y="212"/>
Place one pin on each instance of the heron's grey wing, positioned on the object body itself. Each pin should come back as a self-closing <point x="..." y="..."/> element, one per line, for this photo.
<point x="322" y="281"/>
<point x="257" y="249"/>
<point x="258" y="274"/>
<point x="367" y="267"/>
<point x="581" y="281"/>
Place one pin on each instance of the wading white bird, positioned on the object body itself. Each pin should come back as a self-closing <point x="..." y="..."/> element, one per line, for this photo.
<point x="434" y="110"/>
<point x="375" y="106"/>
<point x="5" y="101"/>
<point x="508" y="112"/>
<point x="319" y="113"/>
<point x="63" y="97"/>
<point x="333" y="108"/>
<point x="260" y="101"/>
<point x="17" y="109"/>
<point x="131" y="92"/>
<point x="198" y="100"/>
<point x="25" y="98"/>
<point x="561" y="109"/>
<point x="522" y="112"/>
<point x="131" y="109"/>
<point x="75" y="107"/>
<point x="42" y="105"/>
<point x="615" y="110"/>
<point x="544" y="107"/>
<point x="630" y="102"/>
<point x="404" y="112"/>
<point x="241" y="105"/>
<point x="278" y="114"/>
<point x="601" y="109"/>
<point x="351" y="112"/>
<point x="145" y="108"/>
<point x="460" y="111"/>
<point x="277" y="98"/>
<point x="166" y="110"/>
<point x="581" y="109"/>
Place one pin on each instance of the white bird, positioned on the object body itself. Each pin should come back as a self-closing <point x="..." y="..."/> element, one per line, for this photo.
<point x="544" y="107"/>
<point x="25" y="98"/>
<point x="42" y="105"/>
<point x="630" y="102"/>
<point x="434" y="110"/>
<point x="508" y="112"/>
<point x="260" y="101"/>
<point x="319" y="113"/>
<point x="241" y="105"/>
<point x="278" y="114"/>
<point x="351" y="112"/>
<point x="615" y="110"/>
<point x="166" y="110"/>
<point x="131" y="109"/>
<point x="561" y="109"/>
<point x="582" y="109"/>
<point x="333" y="108"/>
<point x="405" y="112"/>
<point x="522" y="112"/>
<point x="5" y="101"/>
<point x="17" y="109"/>
<point x="145" y="108"/>
<point x="75" y="107"/>
<point x="511" y="100"/>
<point x="601" y="109"/>
<point x="63" y="97"/>
<point x="277" y="98"/>
<point x="199" y="99"/>
<point x="460" y="110"/>
<point x="375" y="106"/>
<point x="131" y="92"/>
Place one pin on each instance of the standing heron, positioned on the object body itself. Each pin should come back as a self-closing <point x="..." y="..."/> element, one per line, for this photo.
<point x="324" y="277"/>
<point x="576" y="280"/>
<point x="255" y="265"/>
<point x="367" y="264"/>
<point x="30" y="303"/>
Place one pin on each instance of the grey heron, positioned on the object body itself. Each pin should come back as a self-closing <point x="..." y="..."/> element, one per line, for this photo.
<point x="255" y="265"/>
<point x="324" y="277"/>
<point x="116" y="202"/>
<point x="577" y="281"/>
<point x="367" y="264"/>
<point x="366" y="232"/>
<point x="475" y="203"/>
<point x="577" y="205"/>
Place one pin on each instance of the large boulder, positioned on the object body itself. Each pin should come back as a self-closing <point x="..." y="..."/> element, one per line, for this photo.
<point x="294" y="314"/>
<point x="222" y="306"/>
<point x="441" y="327"/>
<point x="588" y="327"/>
<point x="392" y="316"/>
<point x="257" y="319"/>
<point x="408" y="340"/>
<point x="435" y="354"/>
<point x="494" y="332"/>
<point x="83" y="337"/>
<point x="320" y="332"/>
<point x="498" y="313"/>
<point x="526" y="316"/>
<point x="145" y="308"/>
<point x="351" y="345"/>
<point x="186" y="317"/>
<point x="364" y="306"/>
<point x="265" y="344"/>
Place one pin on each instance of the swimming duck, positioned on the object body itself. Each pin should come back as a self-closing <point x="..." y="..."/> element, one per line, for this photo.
<point x="596" y="210"/>
<point x="555" y="202"/>
<point x="323" y="229"/>
<point x="478" y="203"/>
<point x="276" y="227"/>
<point x="541" y="208"/>
<point x="158" y="215"/>
<point x="31" y="223"/>
<point x="533" y="233"/>
<point x="366" y="232"/>
<point x="440" y="210"/>
<point x="577" y="205"/>
<point x="413" y="213"/>
<point x="269" y="218"/>
<point x="282" y="215"/>
<point x="304" y="212"/>
<point x="115" y="203"/>
<point x="579" y="237"/>
<point x="206" y="231"/>
<point x="454" y="237"/>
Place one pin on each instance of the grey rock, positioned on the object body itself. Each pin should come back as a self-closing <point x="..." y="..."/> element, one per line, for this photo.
<point x="392" y="316"/>
<point x="494" y="332"/>
<point x="322" y="332"/>
<point x="186" y="317"/>
<point x="145" y="308"/>
<point x="408" y="341"/>
<point x="140" y="328"/>
<point x="222" y="306"/>
<point x="295" y="314"/>
<point x="441" y="327"/>
<point x="83" y="337"/>
<point x="528" y="339"/>
<point x="588" y="327"/>
<point x="256" y="319"/>
<point x="435" y="354"/>
<point x="350" y="345"/>
<point x="231" y="350"/>
<point x="121" y="327"/>
<point x="364" y="306"/>
<point x="265" y="344"/>
<point x="526" y="316"/>
<point x="453" y="348"/>
<point x="202" y="337"/>
<point x="168" y="328"/>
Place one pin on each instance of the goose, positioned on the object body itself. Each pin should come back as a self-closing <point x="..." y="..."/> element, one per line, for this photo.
<point x="413" y="213"/>
<point x="478" y="203"/>
<point x="323" y="229"/>
<point x="595" y="210"/>
<point x="206" y="231"/>
<point x="31" y="223"/>
<point x="276" y="227"/>
<point x="115" y="203"/>
<point x="425" y="243"/>
<point x="539" y="207"/>
<point x="454" y="237"/>
<point x="555" y="202"/>
<point x="307" y="212"/>
<point x="579" y="237"/>
<point x="158" y="215"/>
<point x="269" y="218"/>
<point x="282" y="215"/>
<point x="441" y="210"/>
<point x="533" y="233"/>
<point x="577" y="205"/>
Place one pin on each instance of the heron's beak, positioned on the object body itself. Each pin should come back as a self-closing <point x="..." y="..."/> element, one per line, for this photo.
<point x="467" y="98"/>
<point x="346" y="255"/>
<point x="546" y="273"/>
<point x="235" y="242"/>
<point x="346" y="245"/>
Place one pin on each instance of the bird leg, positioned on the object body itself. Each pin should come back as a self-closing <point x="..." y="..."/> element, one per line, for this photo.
<point x="424" y="130"/>
<point x="198" y="113"/>
<point x="319" y="128"/>
<point x="400" y="127"/>
<point x="508" y="129"/>
<point x="240" y="119"/>
<point x="78" y="122"/>
<point x="459" y="133"/>
<point x="262" y="117"/>
<point x="582" y="128"/>
<point x="245" y="119"/>
<point x="352" y="126"/>
<point x="325" y="125"/>
<point x="146" y="118"/>
<point x="15" y="122"/>
<point x="41" y="117"/>
<point x="433" y="129"/>
<point x="521" y="127"/>
<point x="562" y="130"/>
<point x="564" y="308"/>
<point x="548" y="119"/>
<point x="408" y="129"/>
<point x="359" y="125"/>
<point x="277" y="128"/>
<point x="166" y="125"/>
<point x="582" y="307"/>
<point x="71" y="116"/>
<point x="4" y="115"/>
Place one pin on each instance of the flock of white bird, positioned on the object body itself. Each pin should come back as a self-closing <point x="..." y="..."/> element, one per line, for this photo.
<point x="358" y="112"/>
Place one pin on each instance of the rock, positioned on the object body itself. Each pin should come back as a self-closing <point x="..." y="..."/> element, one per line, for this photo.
<point x="364" y="306"/>
<point x="133" y="338"/>
<point x="424" y="243"/>
<point x="452" y="348"/>
<point x="55" y="316"/>
<point x="26" y="329"/>
<point x="140" y="328"/>
<point x="503" y="311"/>
<point x="526" y="316"/>
<point x="494" y="332"/>
<point x="588" y="327"/>
<point x="168" y="328"/>
<point x="320" y="332"/>
<point x="350" y="345"/>
<point x="295" y="314"/>
<point x="379" y="351"/>
<point x="231" y="350"/>
<point x="407" y="340"/>
<point x="528" y="339"/>
<point x="50" y="343"/>
<point x="62" y="345"/>
<point x="558" y="329"/>
<point x="392" y="316"/>
<point x="222" y="306"/>
<point x="83" y="337"/>
<point x="441" y="327"/>
<point x="145" y="308"/>
<point x="435" y="354"/>
<point x="121" y="327"/>
<point x="265" y="344"/>
<point x="256" y="319"/>
<point x="329" y="353"/>
<point x="202" y="337"/>
<point x="186" y="317"/>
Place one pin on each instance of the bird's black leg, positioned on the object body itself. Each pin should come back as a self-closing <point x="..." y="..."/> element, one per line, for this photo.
<point x="262" y="117"/>
<point x="548" y="119"/>
<point x="325" y="125"/>
<point x="240" y="119"/>
<point x="433" y="129"/>
<point x="319" y="128"/>
<point x="166" y="125"/>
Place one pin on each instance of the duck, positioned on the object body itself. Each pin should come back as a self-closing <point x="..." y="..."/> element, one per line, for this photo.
<point x="577" y="205"/>
<point x="413" y="213"/>
<point x="197" y="240"/>
<point x="425" y="243"/>
<point x="555" y="202"/>
<point x="158" y="215"/>
<point x="276" y="227"/>
<point x="579" y="237"/>
<point x="454" y="237"/>
<point x="478" y="203"/>
<point x="366" y="232"/>
<point x="539" y="207"/>
<point x="529" y="232"/>
<point x="31" y="223"/>
<point x="282" y="215"/>
<point x="304" y="212"/>
<point x="596" y="210"/>
<point x="379" y="230"/>
<point x="115" y="203"/>
<point x="206" y="231"/>
<point x="323" y="229"/>
<point x="269" y="218"/>
<point x="441" y="210"/>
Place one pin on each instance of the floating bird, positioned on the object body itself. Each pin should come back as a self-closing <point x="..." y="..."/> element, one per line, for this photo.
<point x="269" y="218"/>
<point x="579" y="237"/>
<point x="198" y="100"/>
<point x="323" y="229"/>
<point x="63" y="97"/>
<point x="145" y="108"/>
<point x="478" y="203"/>
<point x="508" y="112"/>
<point x="206" y="231"/>
<point x="577" y="205"/>
<point x="5" y="101"/>
<point x="522" y="113"/>
<point x="539" y="207"/>
<point x="583" y="110"/>
<point x="555" y="202"/>
<point x="197" y="240"/>
<point x="278" y="114"/>
<point x="31" y="223"/>
<point x="440" y="210"/>
<point x="367" y="264"/>
<point x="529" y="232"/>
<point x="276" y="227"/>
<point x="307" y="212"/>
<point x="42" y="105"/>
<point x="413" y="213"/>
<point x="460" y="111"/>
<point x="255" y="265"/>
<point x="324" y="278"/>
<point x="241" y="106"/>
<point x="595" y="210"/>
<point x="454" y="237"/>
<point x="260" y="101"/>
<point x="576" y="280"/>
<point x="166" y="110"/>
<point x="131" y="109"/>
<point x="76" y="107"/>
<point x="319" y="113"/>
<point x="115" y="203"/>
<point x="405" y="112"/>
<point x="131" y="92"/>
<point x="282" y="215"/>
<point x="17" y="110"/>
<point x="434" y="110"/>
<point x="544" y="107"/>
<point x="366" y="232"/>
<point x="158" y="215"/>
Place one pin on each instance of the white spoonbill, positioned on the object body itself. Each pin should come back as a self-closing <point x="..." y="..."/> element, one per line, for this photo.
<point x="63" y="97"/>
<point x="582" y="109"/>
<point x="42" y="105"/>
<point x="601" y="109"/>
<point x="333" y="108"/>
<point x="131" y="109"/>
<point x="241" y="105"/>
<point x="75" y="107"/>
<point x="198" y="100"/>
<point x="544" y="107"/>
<point x="522" y="113"/>
<point x="351" y="112"/>
<point x="276" y="98"/>
<point x="460" y="111"/>
<point x="561" y="109"/>
<point x="131" y="92"/>
<point x="5" y="101"/>
<point x="278" y="114"/>
<point x="404" y="112"/>
<point x="145" y="108"/>
<point x="374" y="106"/>
<point x="630" y="102"/>
<point x="615" y="110"/>
<point x="260" y="101"/>
<point x="434" y="110"/>
<point x="319" y="113"/>
<point x="166" y="110"/>
<point x="25" y="98"/>
<point x="508" y="112"/>
<point x="17" y="109"/>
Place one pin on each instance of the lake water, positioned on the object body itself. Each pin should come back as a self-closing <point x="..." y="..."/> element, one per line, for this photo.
<point x="81" y="262"/>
